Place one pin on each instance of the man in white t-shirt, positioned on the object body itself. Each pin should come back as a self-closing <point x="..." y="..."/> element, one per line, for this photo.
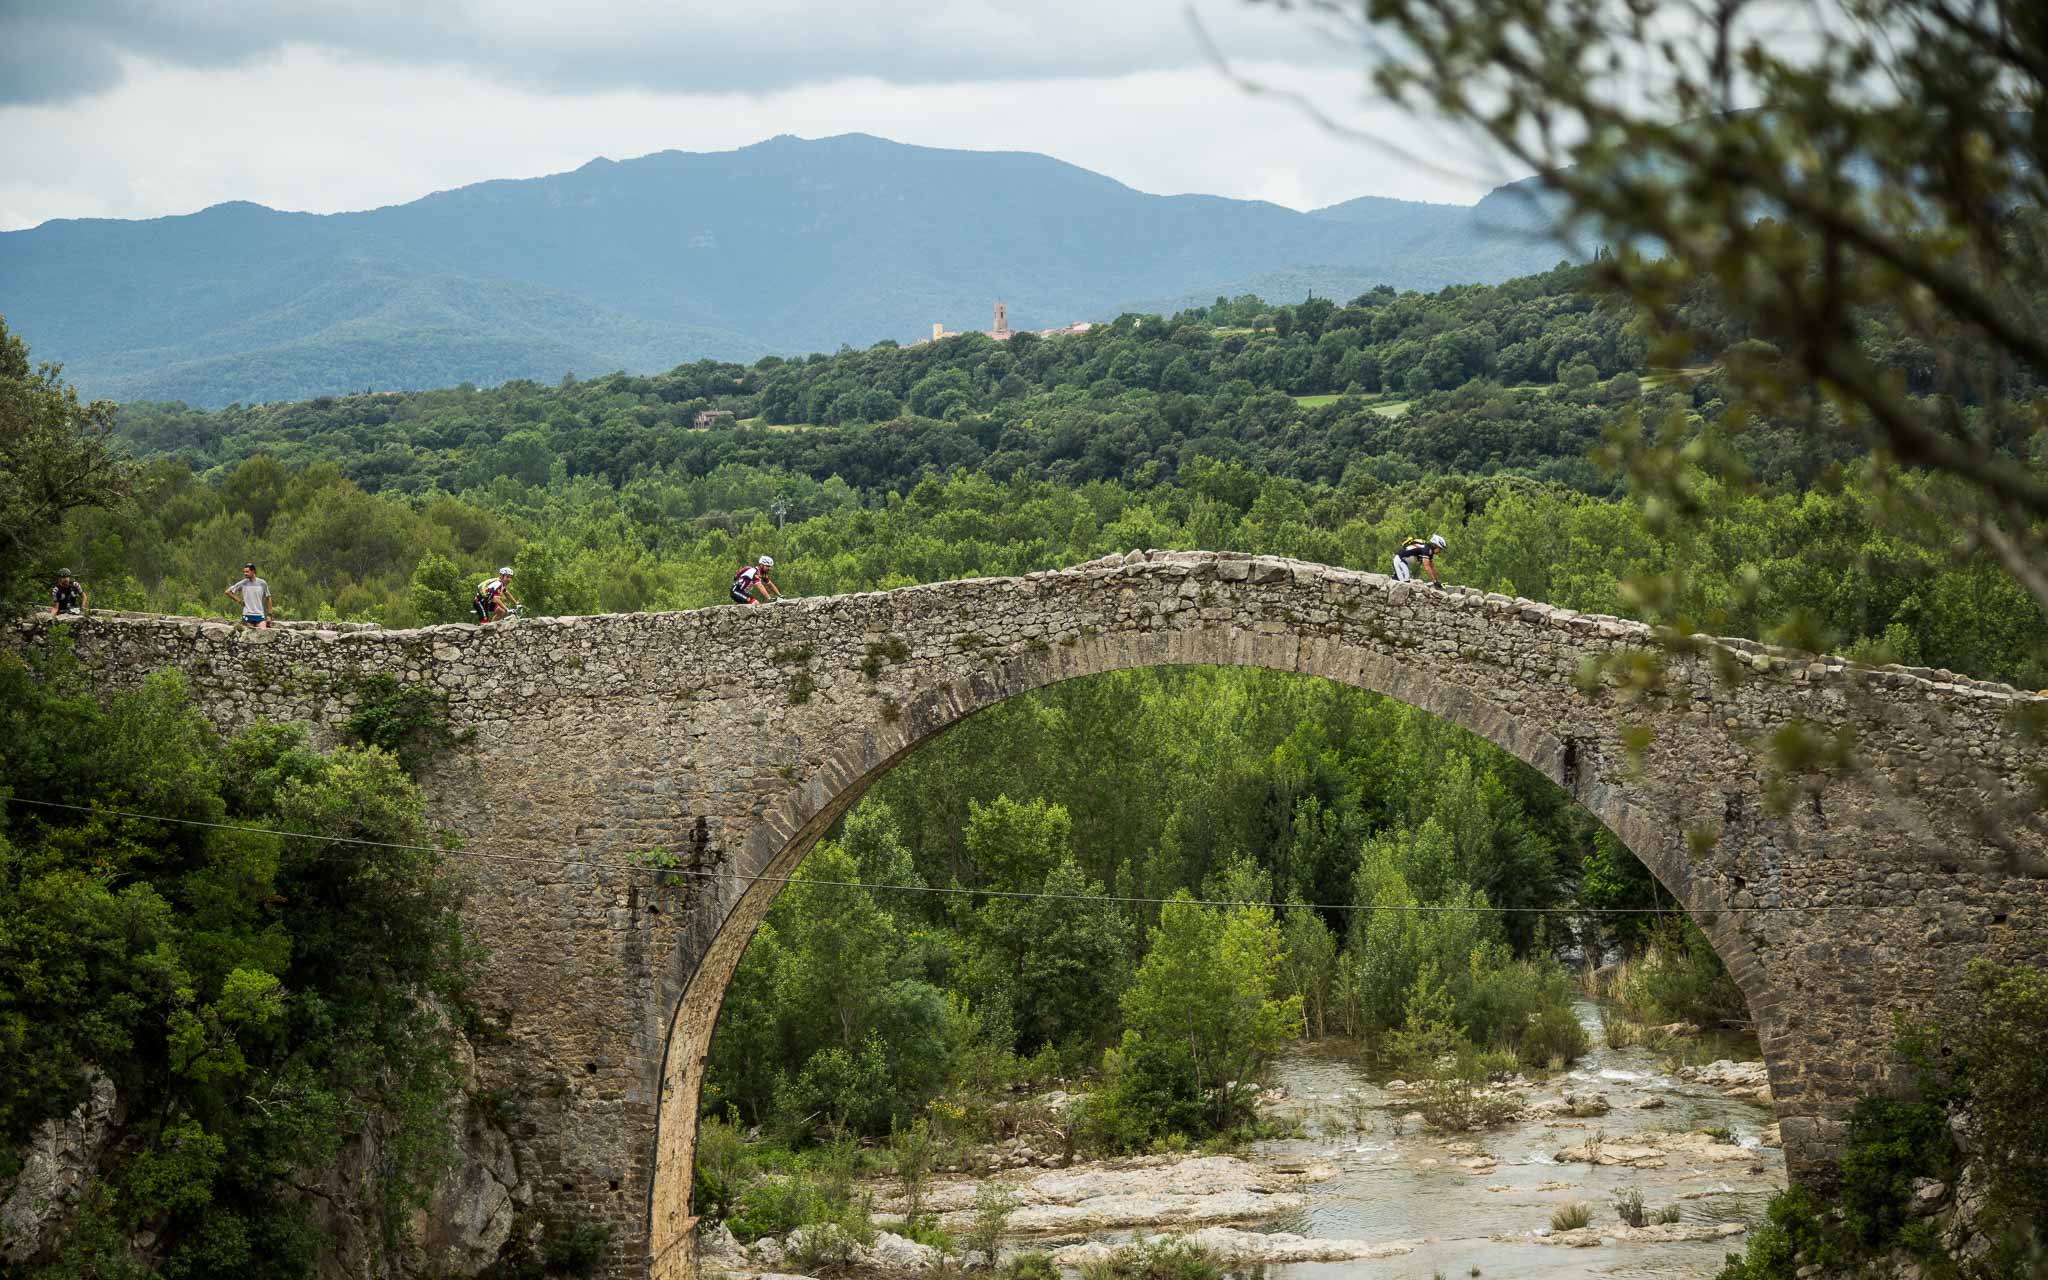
<point x="254" y="594"/>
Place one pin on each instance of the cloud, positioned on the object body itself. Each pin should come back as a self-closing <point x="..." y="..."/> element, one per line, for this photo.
<point x="63" y="50"/>
<point x="311" y="130"/>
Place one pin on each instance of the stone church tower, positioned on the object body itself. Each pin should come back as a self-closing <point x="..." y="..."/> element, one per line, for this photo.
<point x="1002" y="325"/>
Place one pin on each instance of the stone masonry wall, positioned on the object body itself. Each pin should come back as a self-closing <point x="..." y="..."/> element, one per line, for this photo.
<point x="733" y="738"/>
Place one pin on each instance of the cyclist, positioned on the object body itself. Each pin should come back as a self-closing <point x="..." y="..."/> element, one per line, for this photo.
<point x="67" y="597"/>
<point x="493" y="597"/>
<point x="1417" y="550"/>
<point x="754" y="580"/>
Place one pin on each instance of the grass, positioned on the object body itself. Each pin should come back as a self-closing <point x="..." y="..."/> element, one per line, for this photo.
<point x="1156" y="1260"/>
<point x="1658" y="377"/>
<point x="1572" y="1216"/>
<point x="1385" y="408"/>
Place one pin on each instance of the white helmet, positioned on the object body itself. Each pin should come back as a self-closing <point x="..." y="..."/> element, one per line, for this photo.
<point x="767" y="562"/>
<point x="504" y="570"/>
<point x="1437" y="540"/>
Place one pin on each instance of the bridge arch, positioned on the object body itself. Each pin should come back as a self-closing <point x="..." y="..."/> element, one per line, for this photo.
<point x="797" y="820"/>
<point x="735" y="737"/>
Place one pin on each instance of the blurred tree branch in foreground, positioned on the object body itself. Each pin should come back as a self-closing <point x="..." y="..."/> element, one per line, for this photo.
<point x="1840" y="202"/>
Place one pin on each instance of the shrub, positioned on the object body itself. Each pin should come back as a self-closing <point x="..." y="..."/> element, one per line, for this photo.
<point x="1890" y="1144"/>
<point x="910" y="1147"/>
<point x="1620" y="1032"/>
<point x="1454" y="1101"/>
<point x="410" y="721"/>
<point x="1794" y="1235"/>
<point x="813" y="1198"/>
<point x="1572" y="1216"/>
<point x="1156" y="1260"/>
<point x="1628" y="1203"/>
<point x="1030" y="1265"/>
<point x="723" y="1170"/>
<point x="993" y="1203"/>
<point x="925" y="1229"/>
<point x="1681" y="979"/>
<point x="1555" y="1035"/>
<point x="819" y="1246"/>
<point x="2003" y="1044"/>
<point x="1667" y="1215"/>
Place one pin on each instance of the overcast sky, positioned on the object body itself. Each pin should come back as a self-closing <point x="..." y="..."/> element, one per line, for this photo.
<point x="136" y="108"/>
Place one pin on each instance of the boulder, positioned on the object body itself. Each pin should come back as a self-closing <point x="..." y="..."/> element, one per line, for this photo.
<point x="55" y="1167"/>
<point x="474" y="1203"/>
<point x="1928" y="1194"/>
<point x="892" y="1252"/>
<point x="717" y="1244"/>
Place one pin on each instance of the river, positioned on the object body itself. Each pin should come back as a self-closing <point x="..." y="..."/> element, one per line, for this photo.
<point x="1366" y="1188"/>
<point x="1395" y="1182"/>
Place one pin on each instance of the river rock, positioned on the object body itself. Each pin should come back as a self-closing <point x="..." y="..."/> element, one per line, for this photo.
<point x="1145" y="1192"/>
<point x="1746" y="1080"/>
<point x="1650" y="1102"/>
<point x="892" y="1252"/>
<point x="1252" y="1248"/>
<point x="1612" y="1153"/>
<point x="58" y="1160"/>
<point x="1655" y="1233"/>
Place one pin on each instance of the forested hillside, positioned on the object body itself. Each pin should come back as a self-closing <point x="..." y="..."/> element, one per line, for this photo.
<point x="787" y="245"/>
<point x="1319" y="429"/>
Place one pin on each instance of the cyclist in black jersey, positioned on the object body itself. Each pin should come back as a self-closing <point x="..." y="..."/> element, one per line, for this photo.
<point x="1419" y="551"/>
<point x="67" y="596"/>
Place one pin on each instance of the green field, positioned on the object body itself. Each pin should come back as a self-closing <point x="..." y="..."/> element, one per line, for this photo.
<point x="1386" y="408"/>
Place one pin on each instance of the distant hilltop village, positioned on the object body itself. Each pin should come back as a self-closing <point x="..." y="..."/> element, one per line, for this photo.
<point x="1001" y="330"/>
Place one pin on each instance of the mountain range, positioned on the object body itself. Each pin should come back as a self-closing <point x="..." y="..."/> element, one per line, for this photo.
<point x="787" y="246"/>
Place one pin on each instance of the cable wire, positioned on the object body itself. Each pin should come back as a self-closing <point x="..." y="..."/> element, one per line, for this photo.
<point x="734" y="877"/>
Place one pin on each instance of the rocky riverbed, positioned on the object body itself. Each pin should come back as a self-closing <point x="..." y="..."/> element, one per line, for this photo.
<point x="1367" y="1190"/>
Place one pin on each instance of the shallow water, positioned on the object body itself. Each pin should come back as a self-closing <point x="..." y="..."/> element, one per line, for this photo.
<point x="1405" y="1185"/>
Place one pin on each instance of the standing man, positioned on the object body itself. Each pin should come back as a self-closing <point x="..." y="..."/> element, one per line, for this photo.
<point x="67" y="596"/>
<point x="1416" y="550"/>
<point x="254" y="593"/>
<point x="752" y="580"/>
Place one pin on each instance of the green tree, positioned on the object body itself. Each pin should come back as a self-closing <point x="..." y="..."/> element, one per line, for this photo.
<point x="1202" y="1015"/>
<point x="256" y="999"/>
<point x="55" y="458"/>
<point x="439" y="591"/>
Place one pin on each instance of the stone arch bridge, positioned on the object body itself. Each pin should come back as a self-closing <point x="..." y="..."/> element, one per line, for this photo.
<point x="734" y="738"/>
